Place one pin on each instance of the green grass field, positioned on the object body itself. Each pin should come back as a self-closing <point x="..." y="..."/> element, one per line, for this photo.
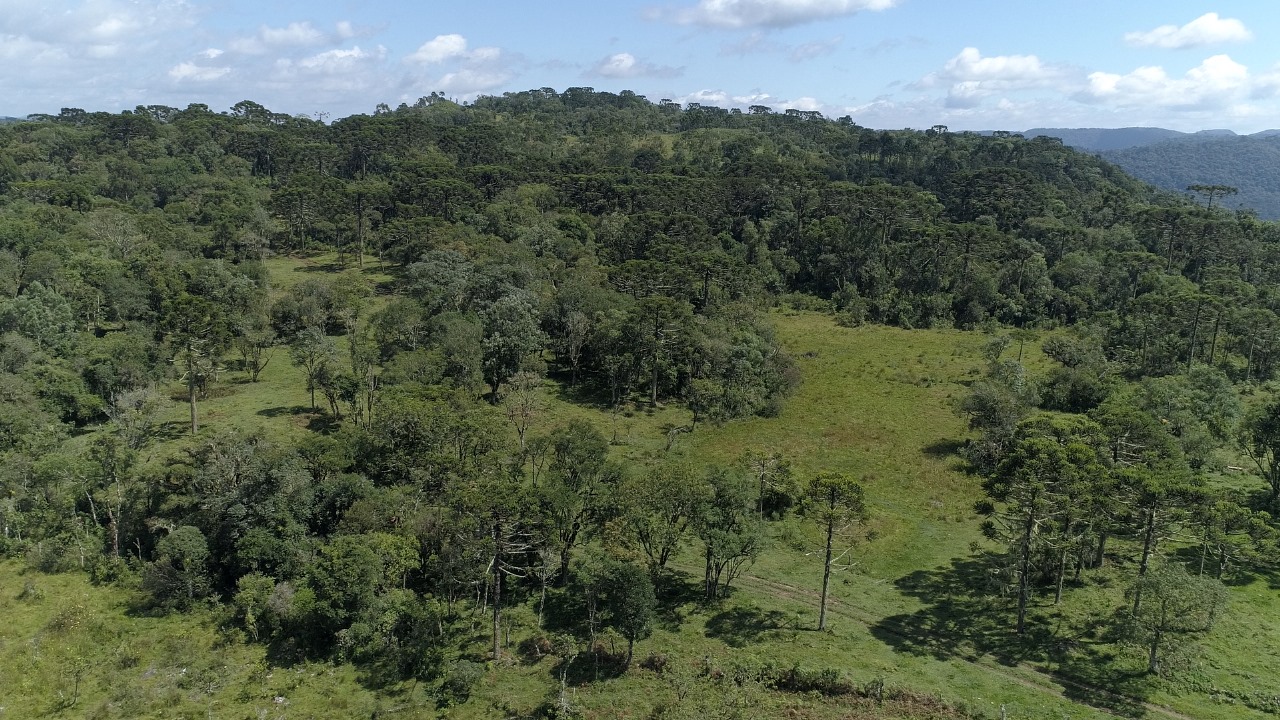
<point x="875" y="402"/>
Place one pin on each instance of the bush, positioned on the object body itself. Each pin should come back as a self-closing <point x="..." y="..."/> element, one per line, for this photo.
<point x="657" y="662"/>
<point x="458" y="683"/>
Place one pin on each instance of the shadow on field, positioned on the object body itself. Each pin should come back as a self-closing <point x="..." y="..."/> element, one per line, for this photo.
<point x="281" y="410"/>
<point x="742" y="626"/>
<point x="944" y="449"/>
<point x="964" y="619"/>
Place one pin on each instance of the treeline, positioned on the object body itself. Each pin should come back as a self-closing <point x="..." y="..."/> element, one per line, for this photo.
<point x="627" y="247"/>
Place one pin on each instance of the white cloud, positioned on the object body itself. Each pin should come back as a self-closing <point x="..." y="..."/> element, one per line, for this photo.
<point x="471" y="81"/>
<point x="1208" y="29"/>
<point x="191" y="71"/>
<point x="268" y="39"/>
<point x="439" y="49"/>
<point x="970" y="77"/>
<point x="1267" y="85"/>
<point x="625" y="65"/>
<point x="723" y="99"/>
<point x="341" y="60"/>
<point x="1215" y="83"/>
<point x="771" y="13"/>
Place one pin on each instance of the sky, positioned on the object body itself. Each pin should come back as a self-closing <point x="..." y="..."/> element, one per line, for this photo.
<point x="966" y="64"/>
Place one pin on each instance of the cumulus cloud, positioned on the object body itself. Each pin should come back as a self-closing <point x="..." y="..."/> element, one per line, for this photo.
<point x="1208" y="29"/>
<point x="1216" y="82"/>
<point x="626" y="65"/>
<point x="723" y="99"/>
<point x="970" y="77"/>
<point x="439" y="49"/>
<point x="447" y="63"/>
<point x="770" y="13"/>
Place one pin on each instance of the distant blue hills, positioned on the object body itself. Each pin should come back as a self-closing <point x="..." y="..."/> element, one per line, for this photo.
<point x="1103" y="139"/>
<point x="1174" y="160"/>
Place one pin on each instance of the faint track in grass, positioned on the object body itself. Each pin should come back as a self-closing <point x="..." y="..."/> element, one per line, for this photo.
<point x="1023" y="674"/>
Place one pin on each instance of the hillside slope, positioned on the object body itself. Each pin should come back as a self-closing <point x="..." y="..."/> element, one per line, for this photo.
<point x="1249" y="163"/>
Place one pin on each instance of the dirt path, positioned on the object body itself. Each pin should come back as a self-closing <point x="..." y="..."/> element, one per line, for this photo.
<point x="1023" y="674"/>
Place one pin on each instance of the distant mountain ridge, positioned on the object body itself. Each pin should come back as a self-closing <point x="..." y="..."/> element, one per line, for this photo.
<point x="1105" y="139"/>
<point x="1174" y="160"/>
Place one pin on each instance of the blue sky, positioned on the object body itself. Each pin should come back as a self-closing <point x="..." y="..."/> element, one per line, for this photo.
<point x="971" y="64"/>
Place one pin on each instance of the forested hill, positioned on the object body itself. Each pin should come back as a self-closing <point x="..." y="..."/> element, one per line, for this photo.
<point x="1249" y="163"/>
<point x="383" y="308"/>
<point x="1098" y="139"/>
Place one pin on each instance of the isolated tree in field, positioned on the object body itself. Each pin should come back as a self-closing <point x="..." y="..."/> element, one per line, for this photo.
<point x="836" y="502"/>
<point x="255" y="341"/>
<point x="1178" y="607"/>
<point x="1230" y="532"/>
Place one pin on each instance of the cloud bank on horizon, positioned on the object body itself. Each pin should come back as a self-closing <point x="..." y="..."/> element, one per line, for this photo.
<point x="885" y="63"/>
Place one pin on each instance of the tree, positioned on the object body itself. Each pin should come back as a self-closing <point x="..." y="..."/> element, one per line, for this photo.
<point x="580" y="477"/>
<point x="835" y="501"/>
<point x="659" y="507"/>
<point x="1179" y="607"/>
<point x="199" y="330"/>
<point x="1260" y="439"/>
<point x="1212" y="192"/>
<point x="256" y="342"/>
<point x="731" y="533"/>
<point x="1231" y="533"/>
<point x="511" y="335"/>
<point x="1032" y="489"/>
<point x="776" y="485"/>
<point x="179" y="575"/>
<point x="523" y="402"/>
<point x="314" y="353"/>
<point x="631" y="603"/>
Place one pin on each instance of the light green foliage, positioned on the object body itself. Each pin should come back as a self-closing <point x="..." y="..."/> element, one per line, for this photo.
<point x="1177" y="608"/>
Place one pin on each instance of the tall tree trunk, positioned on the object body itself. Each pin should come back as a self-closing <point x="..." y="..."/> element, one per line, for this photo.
<point x="1062" y="575"/>
<point x="826" y="578"/>
<point x="1148" y="544"/>
<point x="191" y="400"/>
<point x="1024" y="572"/>
<point x="497" y="598"/>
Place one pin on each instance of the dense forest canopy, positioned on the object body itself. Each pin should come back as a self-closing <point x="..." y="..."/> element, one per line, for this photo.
<point x="628" y="249"/>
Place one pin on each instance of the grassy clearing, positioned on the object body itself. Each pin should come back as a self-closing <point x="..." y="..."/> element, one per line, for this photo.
<point x="72" y="650"/>
<point x="876" y="402"/>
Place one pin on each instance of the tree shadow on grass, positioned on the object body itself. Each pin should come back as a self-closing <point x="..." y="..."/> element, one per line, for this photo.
<point x="964" y="619"/>
<point x="944" y="449"/>
<point x="281" y="410"/>
<point x="741" y="626"/>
